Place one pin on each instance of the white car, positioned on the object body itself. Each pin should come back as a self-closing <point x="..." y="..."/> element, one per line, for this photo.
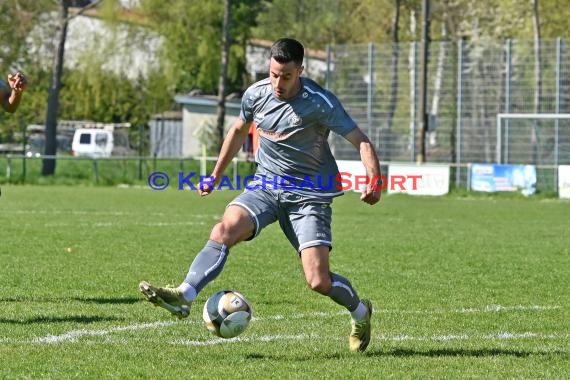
<point x="92" y="143"/>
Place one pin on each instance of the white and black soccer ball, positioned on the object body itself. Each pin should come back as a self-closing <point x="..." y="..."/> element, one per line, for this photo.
<point x="227" y="313"/>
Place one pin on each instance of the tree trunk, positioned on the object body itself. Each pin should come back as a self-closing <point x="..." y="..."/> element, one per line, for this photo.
<point x="412" y="70"/>
<point x="537" y="80"/>
<point x="223" y="74"/>
<point x="394" y="78"/>
<point x="394" y="64"/>
<point x="48" y="164"/>
<point x="437" y="83"/>
<point x="421" y="155"/>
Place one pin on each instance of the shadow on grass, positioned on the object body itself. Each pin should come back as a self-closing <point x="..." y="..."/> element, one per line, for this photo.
<point x="447" y="352"/>
<point x="109" y="300"/>
<point x="475" y="353"/>
<point x="97" y="300"/>
<point x="84" y="319"/>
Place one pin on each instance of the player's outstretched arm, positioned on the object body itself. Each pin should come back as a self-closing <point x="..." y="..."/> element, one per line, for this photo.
<point x="371" y="193"/>
<point x="232" y="144"/>
<point x="11" y="95"/>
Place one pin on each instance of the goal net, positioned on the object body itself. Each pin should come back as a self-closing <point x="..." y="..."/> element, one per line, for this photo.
<point x="533" y="138"/>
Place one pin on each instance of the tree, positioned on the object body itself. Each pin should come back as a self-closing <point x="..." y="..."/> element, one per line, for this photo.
<point x="554" y="19"/>
<point x="421" y="155"/>
<point x="483" y="19"/>
<point x="438" y="83"/>
<point x="48" y="164"/>
<point x="320" y="23"/>
<point x="394" y="79"/>
<point x="412" y="85"/>
<point x="395" y="58"/>
<point x="313" y="22"/>
<point x="204" y="42"/>
<point x="223" y="78"/>
<point x="537" y="79"/>
<point x="192" y="36"/>
<point x="17" y="18"/>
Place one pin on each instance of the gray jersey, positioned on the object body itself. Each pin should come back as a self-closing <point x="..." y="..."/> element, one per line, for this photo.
<point x="294" y="153"/>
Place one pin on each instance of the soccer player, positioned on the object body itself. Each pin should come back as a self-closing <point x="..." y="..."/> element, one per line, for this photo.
<point x="11" y="92"/>
<point x="294" y="116"/>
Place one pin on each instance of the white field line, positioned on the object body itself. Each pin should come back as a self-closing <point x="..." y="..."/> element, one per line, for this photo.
<point x="244" y="339"/>
<point x="495" y="336"/>
<point x="74" y="335"/>
<point x="486" y="309"/>
<point x="437" y="338"/>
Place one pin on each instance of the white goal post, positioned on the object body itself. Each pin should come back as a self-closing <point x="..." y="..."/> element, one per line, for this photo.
<point x="525" y="116"/>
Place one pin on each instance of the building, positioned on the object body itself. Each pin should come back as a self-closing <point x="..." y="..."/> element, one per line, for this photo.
<point x="183" y="134"/>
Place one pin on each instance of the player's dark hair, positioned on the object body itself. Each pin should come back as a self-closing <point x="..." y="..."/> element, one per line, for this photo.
<point x="285" y="50"/>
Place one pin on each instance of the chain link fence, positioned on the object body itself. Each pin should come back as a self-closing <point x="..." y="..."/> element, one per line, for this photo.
<point x="469" y="84"/>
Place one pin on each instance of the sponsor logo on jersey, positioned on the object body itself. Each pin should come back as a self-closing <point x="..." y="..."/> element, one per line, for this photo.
<point x="295" y="120"/>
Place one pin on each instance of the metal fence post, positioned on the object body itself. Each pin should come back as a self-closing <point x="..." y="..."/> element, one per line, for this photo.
<point x="508" y="75"/>
<point x="413" y="98"/>
<point x="8" y="168"/>
<point x="140" y="152"/>
<point x="96" y="170"/>
<point x="557" y="109"/>
<point x="459" y="109"/>
<point x="24" y="138"/>
<point x="499" y="144"/>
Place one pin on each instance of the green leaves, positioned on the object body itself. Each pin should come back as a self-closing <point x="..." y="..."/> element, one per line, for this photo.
<point x="192" y="34"/>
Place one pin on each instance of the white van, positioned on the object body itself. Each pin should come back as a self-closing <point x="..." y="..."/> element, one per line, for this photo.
<point x="92" y="142"/>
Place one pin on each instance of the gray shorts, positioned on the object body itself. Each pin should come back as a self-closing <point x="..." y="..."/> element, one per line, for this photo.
<point x="306" y="221"/>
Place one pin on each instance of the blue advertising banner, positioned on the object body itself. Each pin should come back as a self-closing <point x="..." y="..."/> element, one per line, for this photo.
<point x="493" y="177"/>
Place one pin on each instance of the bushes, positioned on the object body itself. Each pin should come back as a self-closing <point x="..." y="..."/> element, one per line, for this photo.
<point x="106" y="172"/>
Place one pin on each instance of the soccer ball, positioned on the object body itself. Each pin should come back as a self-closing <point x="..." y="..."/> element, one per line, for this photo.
<point x="227" y="313"/>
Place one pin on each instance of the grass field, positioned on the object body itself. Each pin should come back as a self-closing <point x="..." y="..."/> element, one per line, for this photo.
<point x="464" y="286"/>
